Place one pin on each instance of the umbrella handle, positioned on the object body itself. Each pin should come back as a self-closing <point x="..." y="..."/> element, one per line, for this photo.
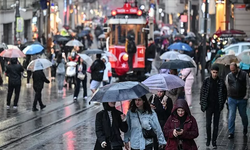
<point x="121" y="106"/>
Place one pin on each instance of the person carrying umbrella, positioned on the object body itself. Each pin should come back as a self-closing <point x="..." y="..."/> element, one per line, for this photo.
<point x="13" y="71"/>
<point x="108" y="124"/>
<point x="106" y="74"/>
<point x="140" y="116"/>
<point x="60" y="70"/>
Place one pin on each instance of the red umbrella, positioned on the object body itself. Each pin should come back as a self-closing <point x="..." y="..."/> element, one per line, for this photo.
<point x="230" y="33"/>
<point x="12" y="53"/>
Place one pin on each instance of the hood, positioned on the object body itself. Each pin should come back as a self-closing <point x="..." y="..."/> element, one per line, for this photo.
<point x="13" y="60"/>
<point x="181" y="103"/>
<point x="106" y="58"/>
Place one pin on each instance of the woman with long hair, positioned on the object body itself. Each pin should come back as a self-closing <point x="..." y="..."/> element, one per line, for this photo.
<point x="140" y="116"/>
<point x="60" y="71"/>
<point x="81" y="68"/>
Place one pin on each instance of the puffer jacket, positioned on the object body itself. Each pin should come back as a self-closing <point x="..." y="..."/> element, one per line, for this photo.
<point x="204" y="93"/>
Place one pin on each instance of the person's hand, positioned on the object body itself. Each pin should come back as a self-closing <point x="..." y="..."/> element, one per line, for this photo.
<point x="180" y="133"/>
<point x="152" y="106"/>
<point x="126" y="145"/>
<point x="175" y="133"/>
<point x="123" y="117"/>
<point x="104" y="144"/>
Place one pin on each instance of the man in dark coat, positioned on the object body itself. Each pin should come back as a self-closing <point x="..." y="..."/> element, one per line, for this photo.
<point x="38" y="80"/>
<point x="108" y="124"/>
<point x="131" y="50"/>
<point x="14" y="72"/>
<point x="212" y="99"/>
<point x="149" y="55"/>
<point x="97" y="70"/>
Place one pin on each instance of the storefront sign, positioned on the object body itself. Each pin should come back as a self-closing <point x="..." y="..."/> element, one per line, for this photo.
<point x="240" y="7"/>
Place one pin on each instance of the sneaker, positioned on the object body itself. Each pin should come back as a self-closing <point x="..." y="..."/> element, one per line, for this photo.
<point x="7" y="107"/>
<point x="14" y="107"/>
<point x="245" y="132"/>
<point x="85" y="97"/>
<point x="34" y="109"/>
<point x="207" y="143"/>
<point x="75" y="98"/>
<point x="214" y="145"/>
<point x="230" y="136"/>
<point x="42" y="107"/>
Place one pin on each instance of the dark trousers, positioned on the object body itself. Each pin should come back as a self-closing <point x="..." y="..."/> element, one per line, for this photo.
<point x="11" y="88"/>
<point x="29" y="73"/>
<point x="71" y="80"/>
<point x="78" y="85"/>
<point x="130" y="61"/>
<point x="209" y="114"/>
<point x="53" y="71"/>
<point x="148" y="66"/>
<point x="38" y="97"/>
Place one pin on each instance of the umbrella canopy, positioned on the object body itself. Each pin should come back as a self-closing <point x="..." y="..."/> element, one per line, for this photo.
<point x="163" y="82"/>
<point x="111" y="56"/>
<point x="12" y="53"/>
<point x="177" y="64"/>
<point x="93" y="51"/>
<point x="120" y="91"/>
<point x="245" y="57"/>
<point x="30" y="43"/>
<point x="60" y="38"/>
<point x="227" y="59"/>
<point x="4" y="46"/>
<point x="86" y="59"/>
<point x="157" y="32"/>
<point x="230" y="33"/>
<point x="187" y="58"/>
<point x="39" y="64"/>
<point x="83" y="33"/>
<point x="33" y="49"/>
<point x="102" y="36"/>
<point x="190" y="34"/>
<point x="170" y="55"/>
<point x="87" y="28"/>
<point x="74" y="43"/>
<point x="180" y="46"/>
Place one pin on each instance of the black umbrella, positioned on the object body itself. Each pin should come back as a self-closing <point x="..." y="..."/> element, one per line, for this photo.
<point x="83" y="33"/>
<point x="93" y="51"/>
<point x="30" y="43"/>
<point x="177" y="64"/>
<point x="120" y="91"/>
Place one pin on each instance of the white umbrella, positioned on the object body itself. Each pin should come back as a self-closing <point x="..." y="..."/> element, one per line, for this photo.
<point x="87" y="28"/>
<point x="170" y="55"/>
<point x="74" y="43"/>
<point x="111" y="56"/>
<point x="190" y="34"/>
<point x="86" y="59"/>
<point x="102" y="36"/>
<point x="157" y="32"/>
<point x="187" y="58"/>
<point x="39" y="64"/>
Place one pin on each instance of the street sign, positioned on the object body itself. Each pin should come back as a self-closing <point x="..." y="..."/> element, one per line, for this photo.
<point x="19" y="24"/>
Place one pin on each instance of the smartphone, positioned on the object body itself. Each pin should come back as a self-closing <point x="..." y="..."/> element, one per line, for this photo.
<point x="178" y="129"/>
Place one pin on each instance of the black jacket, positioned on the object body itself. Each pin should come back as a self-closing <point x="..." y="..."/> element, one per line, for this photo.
<point x="150" y="51"/>
<point x="204" y="94"/>
<point x="38" y="79"/>
<point x="14" y="72"/>
<point x="97" y="70"/>
<point x="237" y="86"/>
<point x="104" y="131"/>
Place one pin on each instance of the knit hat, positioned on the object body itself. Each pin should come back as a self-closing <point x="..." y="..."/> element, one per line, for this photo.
<point x="215" y="67"/>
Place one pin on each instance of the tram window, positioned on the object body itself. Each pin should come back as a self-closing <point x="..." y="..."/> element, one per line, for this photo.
<point x="113" y="34"/>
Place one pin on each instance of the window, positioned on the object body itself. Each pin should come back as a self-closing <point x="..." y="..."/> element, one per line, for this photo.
<point x="233" y="48"/>
<point x="245" y="47"/>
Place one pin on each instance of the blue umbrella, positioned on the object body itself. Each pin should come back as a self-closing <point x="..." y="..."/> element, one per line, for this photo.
<point x="33" y="49"/>
<point x="180" y="46"/>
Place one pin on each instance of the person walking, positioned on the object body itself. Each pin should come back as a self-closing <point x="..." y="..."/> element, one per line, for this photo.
<point x="187" y="75"/>
<point x="131" y="50"/>
<point x="38" y="80"/>
<point x="97" y="70"/>
<point x="213" y="96"/>
<point x="141" y="116"/>
<point x="52" y="58"/>
<point x="237" y="82"/>
<point x="81" y="68"/>
<point x="181" y="128"/>
<point x="14" y="72"/>
<point x="60" y="71"/>
<point x="108" y="124"/>
<point x="149" y="56"/>
<point x="162" y="105"/>
<point x="106" y="78"/>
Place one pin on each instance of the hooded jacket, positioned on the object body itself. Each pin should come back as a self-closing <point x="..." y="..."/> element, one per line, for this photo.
<point x="190" y="129"/>
<point x="107" y="69"/>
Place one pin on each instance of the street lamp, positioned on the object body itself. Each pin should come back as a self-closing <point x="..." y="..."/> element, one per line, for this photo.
<point x="16" y="16"/>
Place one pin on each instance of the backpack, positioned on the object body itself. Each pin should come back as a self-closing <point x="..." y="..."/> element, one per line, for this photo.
<point x="131" y="47"/>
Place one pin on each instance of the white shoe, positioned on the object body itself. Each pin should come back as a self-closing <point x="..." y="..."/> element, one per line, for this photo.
<point x="14" y="107"/>
<point x="86" y="97"/>
<point x="147" y="74"/>
<point x="129" y="72"/>
<point x="7" y="107"/>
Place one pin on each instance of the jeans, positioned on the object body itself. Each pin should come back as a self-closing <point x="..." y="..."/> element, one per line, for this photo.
<point x="78" y="85"/>
<point x="11" y="88"/>
<point x="209" y="114"/>
<point x="130" y="61"/>
<point x="233" y="104"/>
<point x="60" y="80"/>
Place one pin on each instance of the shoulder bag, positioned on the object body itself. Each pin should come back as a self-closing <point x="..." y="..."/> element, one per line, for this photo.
<point x="147" y="134"/>
<point x="80" y="76"/>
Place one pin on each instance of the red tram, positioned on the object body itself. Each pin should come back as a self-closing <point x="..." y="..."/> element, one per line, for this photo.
<point x="124" y="21"/>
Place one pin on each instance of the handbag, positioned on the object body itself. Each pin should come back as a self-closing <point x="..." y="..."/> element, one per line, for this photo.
<point x="147" y="134"/>
<point x="80" y="76"/>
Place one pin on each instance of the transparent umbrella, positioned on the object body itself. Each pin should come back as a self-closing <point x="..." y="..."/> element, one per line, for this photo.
<point x="86" y="59"/>
<point x="39" y="64"/>
<point x="170" y="55"/>
<point x="163" y="82"/>
<point x="74" y="43"/>
<point x="245" y="57"/>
